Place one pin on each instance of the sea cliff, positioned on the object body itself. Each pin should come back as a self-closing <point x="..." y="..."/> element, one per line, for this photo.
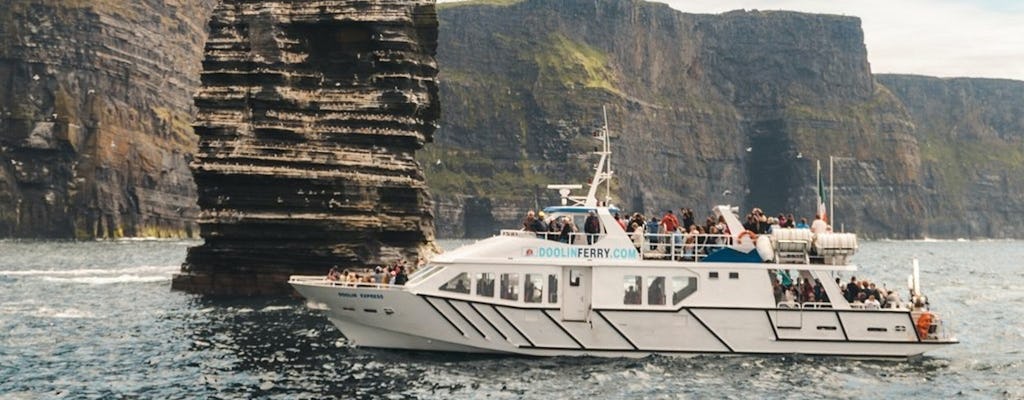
<point x="705" y="109"/>
<point x="95" y="115"/>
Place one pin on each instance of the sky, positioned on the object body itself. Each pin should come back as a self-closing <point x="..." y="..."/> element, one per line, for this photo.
<point x="946" y="38"/>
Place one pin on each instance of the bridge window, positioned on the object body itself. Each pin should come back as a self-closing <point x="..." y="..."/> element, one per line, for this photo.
<point x="485" y="284"/>
<point x="458" y="284"/>
<point x="510" y="286"/>
<point x="683" y="287"/>
<point x="552" y="288"/>
<point x="656" y="290"/>
<point x="534" y="291"/>
<point x="631" y="286"/>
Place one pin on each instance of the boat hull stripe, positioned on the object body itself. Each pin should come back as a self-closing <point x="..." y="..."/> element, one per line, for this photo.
<point x="463" y="316"/>
<point x="712" y="331"/>
<point x="565" y="331"/>
<point x="616" y="329"/>
<point x="509" y="322"/>
<point x="444" y="316"/>
<point x="484" y="317"/>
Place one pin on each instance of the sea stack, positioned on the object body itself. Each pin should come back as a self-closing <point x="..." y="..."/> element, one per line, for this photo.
<point x="309" y="117"/>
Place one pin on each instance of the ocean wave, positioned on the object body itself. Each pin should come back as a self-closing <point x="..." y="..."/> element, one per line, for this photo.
<point x="140" y="270"/>
<point x="45" y="312"/>
<point x="107" y="280"/>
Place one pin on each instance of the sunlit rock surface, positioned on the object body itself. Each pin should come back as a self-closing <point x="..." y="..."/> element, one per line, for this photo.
<point x="95" y="115"/>
<point x="309" y="117"/>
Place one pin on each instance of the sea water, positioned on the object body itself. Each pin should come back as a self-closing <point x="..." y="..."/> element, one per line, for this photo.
<point x="98" y="320"/>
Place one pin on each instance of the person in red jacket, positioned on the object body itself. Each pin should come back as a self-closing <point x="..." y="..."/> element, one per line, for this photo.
<point x="670" y="222"/>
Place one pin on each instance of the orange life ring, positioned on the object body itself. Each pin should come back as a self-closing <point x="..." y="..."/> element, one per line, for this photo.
<point x="753" y="236"/>
<point x="924" y="322"/>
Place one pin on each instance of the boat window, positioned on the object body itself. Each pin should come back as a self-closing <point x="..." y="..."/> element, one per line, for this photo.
<point x="458" y="284"/>
<point x="713" y="275"/>
<point x="425" y="273"/>
<point x="510" y="286"/>
<point x="534" y="290"/>
<point x="656" y="290"/>
<point x="631" y="284"/>
<point x="552" y="288"/>
<point x="734" y="275"/>
<point x="683" y="287"/>
<point x="485" y="284"/>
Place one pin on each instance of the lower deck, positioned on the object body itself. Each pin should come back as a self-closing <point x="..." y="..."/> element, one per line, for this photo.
<point x="390" y="318"/>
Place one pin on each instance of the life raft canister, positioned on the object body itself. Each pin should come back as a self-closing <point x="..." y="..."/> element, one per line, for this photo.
<point x="924" y="322"/>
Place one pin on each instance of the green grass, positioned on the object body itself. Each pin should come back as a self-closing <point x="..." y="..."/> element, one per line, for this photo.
<point x="574" y="64"/>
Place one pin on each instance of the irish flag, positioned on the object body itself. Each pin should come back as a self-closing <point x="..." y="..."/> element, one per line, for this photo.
<point x="822" y="211"/>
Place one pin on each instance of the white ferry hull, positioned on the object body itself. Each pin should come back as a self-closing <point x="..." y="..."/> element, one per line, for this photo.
<point x="398" y="319"/>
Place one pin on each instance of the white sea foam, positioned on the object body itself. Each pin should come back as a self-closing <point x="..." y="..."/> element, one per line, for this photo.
<point x="275" y="308"/>
<point x="69" y="313"/>
<point x="107" y="280"/>
<point x="140" y="270"/>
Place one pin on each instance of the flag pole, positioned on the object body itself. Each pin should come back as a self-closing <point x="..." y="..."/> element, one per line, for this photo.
<point x="831" y="194"/>
<point x="817" y="184"/>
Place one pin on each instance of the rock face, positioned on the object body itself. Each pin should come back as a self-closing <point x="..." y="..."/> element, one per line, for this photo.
<point x="95" y="111"/>
<point x="971" y="135"/>
<point x="705" y="109"/>
<point x="309" y="117"/>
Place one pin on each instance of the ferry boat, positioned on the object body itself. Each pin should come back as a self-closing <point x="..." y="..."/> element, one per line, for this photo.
<point x="608" y="294"/>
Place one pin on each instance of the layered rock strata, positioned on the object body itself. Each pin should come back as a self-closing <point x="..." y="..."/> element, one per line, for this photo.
<point x="309" y="117"/>
<point x="95" y="114"/>
<point x="971" y="135"/>
<point x="705" y="109"/>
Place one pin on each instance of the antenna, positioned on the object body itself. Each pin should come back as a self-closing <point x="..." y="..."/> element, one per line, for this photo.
<point x="602" y="173"/>
<point x="608" y="151"/>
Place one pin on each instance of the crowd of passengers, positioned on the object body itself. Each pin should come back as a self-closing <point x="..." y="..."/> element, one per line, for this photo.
<point x="396" y="273"/>
<point x="860" y="294"/>
<point x="682" y="232"/>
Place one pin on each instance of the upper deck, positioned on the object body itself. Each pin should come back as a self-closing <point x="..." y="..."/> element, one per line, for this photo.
<point x="611" y="244"/>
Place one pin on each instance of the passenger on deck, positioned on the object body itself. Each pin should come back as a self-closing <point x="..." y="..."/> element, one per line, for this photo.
<point x="819" y="292"/>
<point x="819" y="225"/>
<point x="790" y="223"/>
<point x="620" y="221"/>
<point x="687" y="215"/>
<point x="678" y="238"/>
<point x="538" y="225"/>
<point x="852" y="289"/>
<point x="592" y="227"/>
<point x="401" y="278"/>
<point x="568" y="232"/>
<point x="636" y="234"/>
<point x="760" y="221"/>
<point x="669" y="222"/>
<point x="893" y="300"/>
<point x="802" y="224"/>
<point x="652" y="230"/>
<point x="333" y="274"/>
<point x="872" y="304"/>
<point x="554" y="228"/>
